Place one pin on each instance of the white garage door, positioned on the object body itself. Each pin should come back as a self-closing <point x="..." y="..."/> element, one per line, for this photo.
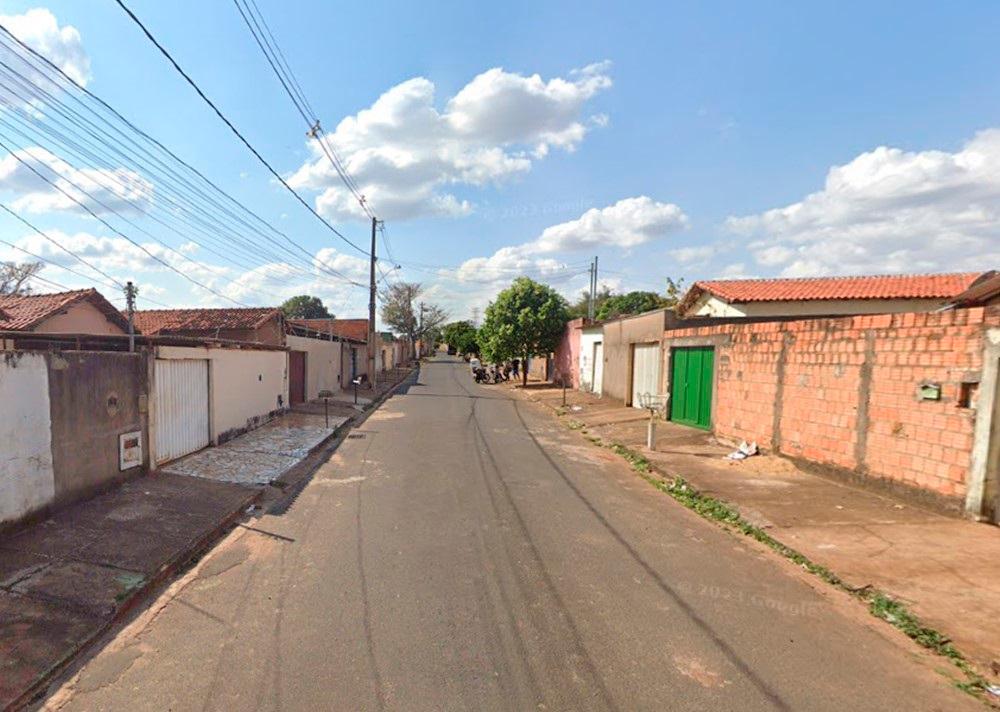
<point x="598" y="365"/>
<point x="181" y="407"/>
<point x="645" y="371"/>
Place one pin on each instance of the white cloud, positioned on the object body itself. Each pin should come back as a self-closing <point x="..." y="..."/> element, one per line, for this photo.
<point x="406" y="154"/>
<point x="889" y="210"/>
<point x="39" y="29"/>
<point x="626" y="224"/>
<point x="101" y="190"/>
<point x="694" y="256"/>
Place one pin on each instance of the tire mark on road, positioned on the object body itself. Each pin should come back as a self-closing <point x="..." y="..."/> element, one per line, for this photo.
<point x="707" y="629"/>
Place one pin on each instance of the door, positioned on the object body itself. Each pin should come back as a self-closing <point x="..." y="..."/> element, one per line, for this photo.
<point x="598" y="366"/>
<point x="181" y="408"/>
<point x="296" y="377"/>
<point x="645" y="371"/>
<point x="691" y="386"/>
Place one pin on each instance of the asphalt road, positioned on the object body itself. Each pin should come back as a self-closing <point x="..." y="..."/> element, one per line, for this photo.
<point x="465" y="552"/>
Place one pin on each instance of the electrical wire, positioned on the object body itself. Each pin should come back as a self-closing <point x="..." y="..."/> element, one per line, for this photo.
<point x="230" y="125"/>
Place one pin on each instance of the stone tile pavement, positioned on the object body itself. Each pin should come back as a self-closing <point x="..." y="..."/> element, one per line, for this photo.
<point x="262" y="455"/>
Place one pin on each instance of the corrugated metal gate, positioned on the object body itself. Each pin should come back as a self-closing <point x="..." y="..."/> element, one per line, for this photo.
<point x="181" y="407"/>
<point x="645" y="371"/>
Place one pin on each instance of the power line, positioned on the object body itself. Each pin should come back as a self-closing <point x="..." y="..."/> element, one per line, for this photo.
<point x="229" y="124"/>
<point x="191" y="195"/>
<point x="275" y="58"/>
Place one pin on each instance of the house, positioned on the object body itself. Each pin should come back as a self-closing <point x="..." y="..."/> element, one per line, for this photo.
<point x="630" y="347"/>
<point x="566" y="358"/>
<point x="824" y="296"/>
<point x="259" y="325"/>
<point x="83" y="311"/>
<point x="591" y="363"/>
<point x="351" y="334"/>
<point x="985" y="291"/>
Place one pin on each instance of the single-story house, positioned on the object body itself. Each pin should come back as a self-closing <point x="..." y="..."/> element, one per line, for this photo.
<point x="824" y="296"/>
<point x="83" y="311"/>
<point x="566" y="359"/>
<point x="630" y="347"/>
<point x="352" y="334"/>
<point x="260" y="325"/>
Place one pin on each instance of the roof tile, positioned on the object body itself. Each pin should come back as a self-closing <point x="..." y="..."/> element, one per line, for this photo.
<point x="173" y="321"/>
<point x="23" y="312"/>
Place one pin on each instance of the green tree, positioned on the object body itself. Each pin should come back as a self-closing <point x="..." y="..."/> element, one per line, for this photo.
<point x="579" y="308"/>
<point x="402" y="312"/>
<point x="527" y="319"/>
<point x="305" y="307"/>
<point x="630" y="303"/>
<point x="461" y="335"/>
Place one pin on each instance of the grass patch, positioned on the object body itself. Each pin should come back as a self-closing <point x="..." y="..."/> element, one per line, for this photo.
<point x="880" y="604"/>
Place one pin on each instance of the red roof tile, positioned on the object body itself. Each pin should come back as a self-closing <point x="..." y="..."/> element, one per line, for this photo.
<point x="23" y="312"/>
<point x="902" y="286"/>
<point x="354" y="329"/>
<point x="175" y="321"/>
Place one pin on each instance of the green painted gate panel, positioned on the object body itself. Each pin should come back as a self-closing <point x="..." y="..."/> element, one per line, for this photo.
<point x="691" y="386"/>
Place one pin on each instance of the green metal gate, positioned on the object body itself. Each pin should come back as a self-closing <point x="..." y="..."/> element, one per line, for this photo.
<point x="691" y="386"/>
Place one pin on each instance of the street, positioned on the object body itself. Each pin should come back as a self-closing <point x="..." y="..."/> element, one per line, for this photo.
<point x="464" y="551"/>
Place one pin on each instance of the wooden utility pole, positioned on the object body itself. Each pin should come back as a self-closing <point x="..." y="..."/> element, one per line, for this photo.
<point x="371" y="310"/>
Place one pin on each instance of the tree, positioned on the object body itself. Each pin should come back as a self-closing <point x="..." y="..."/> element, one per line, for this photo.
<point x="630" y="303"/>
<point x="580" y="308"/>
<point x="305" y="307"/>
<point x="461" y="335"/>
<point x="402" y="313"/>
<point x="14" y="277"/>
<point x="527" y="319"/>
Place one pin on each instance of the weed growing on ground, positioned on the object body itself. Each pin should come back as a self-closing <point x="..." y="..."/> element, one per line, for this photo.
<point x="880" y="604"/>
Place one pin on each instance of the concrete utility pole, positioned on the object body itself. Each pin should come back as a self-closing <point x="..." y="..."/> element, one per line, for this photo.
<point x="420" y="327"/>
<point x="371" y="311"/>
<point x="130" y="307"/>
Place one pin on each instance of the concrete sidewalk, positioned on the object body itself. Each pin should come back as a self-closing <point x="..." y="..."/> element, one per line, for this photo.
<point x="946" y="569"/>
<point x="65" y="581"/>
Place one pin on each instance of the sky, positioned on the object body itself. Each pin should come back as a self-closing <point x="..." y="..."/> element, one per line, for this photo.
<point x="683" y="140"/>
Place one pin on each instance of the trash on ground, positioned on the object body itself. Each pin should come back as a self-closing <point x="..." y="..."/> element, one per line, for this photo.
<point x="576" y="408"/>
<point x="993" y="690"/>
<point x="744" y="451"/>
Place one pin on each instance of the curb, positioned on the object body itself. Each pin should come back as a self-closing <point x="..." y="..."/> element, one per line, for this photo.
<point x="166" y="572"/>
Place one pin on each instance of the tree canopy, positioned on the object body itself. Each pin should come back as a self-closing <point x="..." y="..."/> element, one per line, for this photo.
<point x="14" y="277"/>
<point x="462" y="335"/>
<point x="305" y="307"/>
<point x="402" y="315"/>
<point x="527" y="319"/>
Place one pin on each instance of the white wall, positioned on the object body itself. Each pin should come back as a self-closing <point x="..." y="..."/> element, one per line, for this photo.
<point x="244" y="384"/>
<point x="588" y="337"/>
<point x="27" y="479"/>
<point x="322" y="363"/>
<point x="709" y="305"/>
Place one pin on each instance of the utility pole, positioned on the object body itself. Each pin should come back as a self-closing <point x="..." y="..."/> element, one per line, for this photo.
<point x="590" y="293"/>
<point x="130" y="306"/>
<point x="420" y="327"/>
<point x="594" y="290"/>
<point x="475" y="317"/>
<point x="371" y="310"/>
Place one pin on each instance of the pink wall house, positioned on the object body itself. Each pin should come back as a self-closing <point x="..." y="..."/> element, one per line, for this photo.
<point x="566" y="362"/>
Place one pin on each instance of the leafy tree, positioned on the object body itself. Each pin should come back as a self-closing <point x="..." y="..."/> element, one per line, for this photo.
<point x="675" y="292"/>
<point x="461" y="335"/>
<point x="526" y="319"/>
<point x="305" y="307"/>
<point x="398" y="312"/>
<point x="580" y="307"/>
<point x="14" y="277"/>
<point x="630" y="303"/>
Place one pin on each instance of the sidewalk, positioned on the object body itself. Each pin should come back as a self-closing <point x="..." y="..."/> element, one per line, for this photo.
<point x="65" y="581"/>
<point x="68" y="579"/>
<point x="946" y="569"/>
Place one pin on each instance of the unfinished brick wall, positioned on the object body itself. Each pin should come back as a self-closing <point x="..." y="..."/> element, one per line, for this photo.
<point x="845" y="391"/>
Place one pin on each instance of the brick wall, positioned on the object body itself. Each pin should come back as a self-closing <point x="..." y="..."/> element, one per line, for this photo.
<point x="844" y="391"/>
